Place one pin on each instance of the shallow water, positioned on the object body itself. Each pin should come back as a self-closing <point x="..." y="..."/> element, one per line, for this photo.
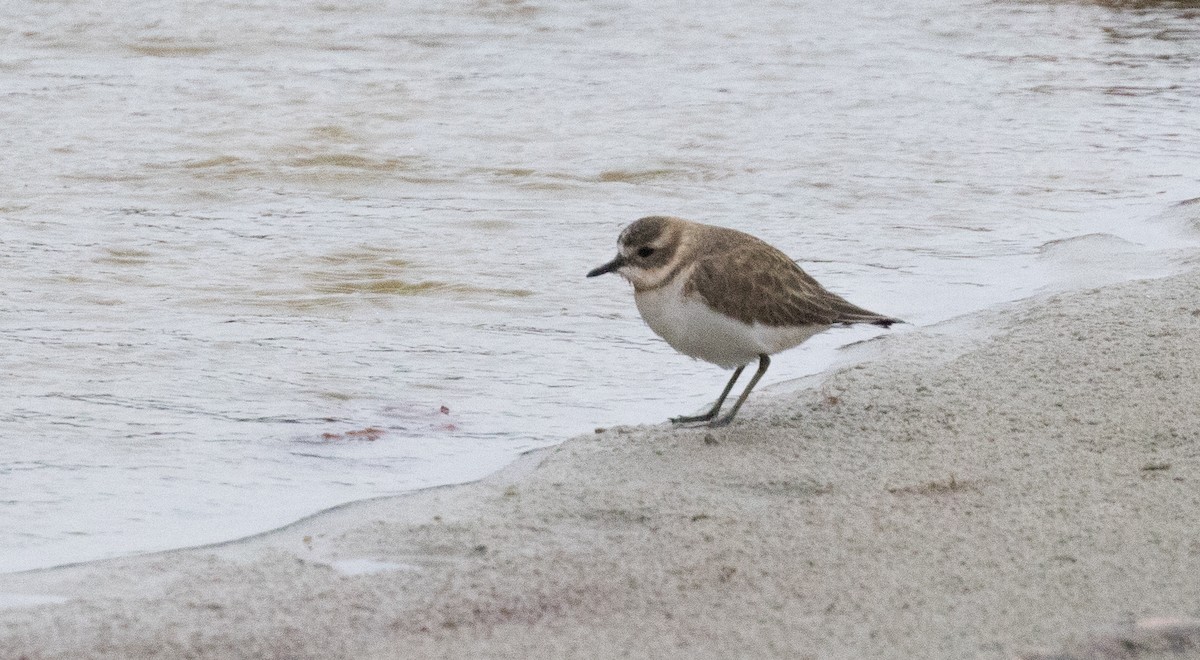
<point x="263" y="258"/>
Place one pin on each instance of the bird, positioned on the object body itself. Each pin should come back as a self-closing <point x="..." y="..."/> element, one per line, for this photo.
<point x="721" y="295"/>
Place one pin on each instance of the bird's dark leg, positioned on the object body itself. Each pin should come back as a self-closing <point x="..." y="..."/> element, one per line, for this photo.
<point x="763" y="363"/>
<point x="716" y="406"/>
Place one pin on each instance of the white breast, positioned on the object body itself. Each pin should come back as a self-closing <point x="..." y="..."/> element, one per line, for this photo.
<point x="694" y="329"/>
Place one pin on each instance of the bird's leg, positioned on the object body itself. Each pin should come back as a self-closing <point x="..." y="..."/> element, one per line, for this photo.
<point x="763" y="363"/>
<point x="716" y="406"/>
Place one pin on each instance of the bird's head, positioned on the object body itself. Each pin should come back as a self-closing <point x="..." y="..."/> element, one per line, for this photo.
<point x="646" y="251"/>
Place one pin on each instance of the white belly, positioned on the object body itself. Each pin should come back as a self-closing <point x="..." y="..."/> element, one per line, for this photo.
<point x="694" y="329"/>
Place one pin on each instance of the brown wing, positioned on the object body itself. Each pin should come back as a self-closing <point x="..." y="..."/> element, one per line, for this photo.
<point x="754" y="282"/>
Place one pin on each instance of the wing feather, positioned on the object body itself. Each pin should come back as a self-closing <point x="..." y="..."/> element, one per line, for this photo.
<point x="756" y="283"/>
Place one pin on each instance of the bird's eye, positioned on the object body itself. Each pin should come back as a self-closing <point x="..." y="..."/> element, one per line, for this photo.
<point x="645" y="252"/>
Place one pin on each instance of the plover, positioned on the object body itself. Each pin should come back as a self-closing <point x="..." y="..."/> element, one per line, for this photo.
<point x="725" y="297"/>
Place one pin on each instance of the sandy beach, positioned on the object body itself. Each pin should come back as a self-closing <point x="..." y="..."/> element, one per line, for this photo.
<point x="1022" y="483"/>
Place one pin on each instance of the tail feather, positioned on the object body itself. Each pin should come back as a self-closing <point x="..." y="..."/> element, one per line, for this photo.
<point x="847" y="313"/>
<point x="860" y="315"/>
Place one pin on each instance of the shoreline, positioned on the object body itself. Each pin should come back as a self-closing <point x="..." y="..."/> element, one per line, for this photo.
<point x="984" y="497"/>
<point x="1117" y="265"/>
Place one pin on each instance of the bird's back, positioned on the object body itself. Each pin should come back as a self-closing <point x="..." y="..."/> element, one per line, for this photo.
<point x="748" y="279"/>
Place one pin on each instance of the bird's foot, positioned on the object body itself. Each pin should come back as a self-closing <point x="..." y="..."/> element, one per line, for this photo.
<point x="718" y="423"/>
<point x="688" y="419"/>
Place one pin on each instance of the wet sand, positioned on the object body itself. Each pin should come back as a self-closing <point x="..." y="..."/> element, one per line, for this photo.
<point x="1032" y="491"/>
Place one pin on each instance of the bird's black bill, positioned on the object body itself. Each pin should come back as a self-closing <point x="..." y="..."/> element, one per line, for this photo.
<point x="608" y="267"/>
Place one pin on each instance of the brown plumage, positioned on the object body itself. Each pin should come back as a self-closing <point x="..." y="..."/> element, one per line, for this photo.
<point x="724" y="296"/>
<point x="748" y="279"/>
